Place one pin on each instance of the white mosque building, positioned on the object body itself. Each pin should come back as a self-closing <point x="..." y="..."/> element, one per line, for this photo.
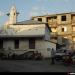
<point x="29" y="35"/>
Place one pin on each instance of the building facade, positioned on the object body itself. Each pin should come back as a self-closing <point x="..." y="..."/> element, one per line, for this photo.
<point x="29" y="35"/>
<point x="63" y="28"/>
<point x="34" y="37"/>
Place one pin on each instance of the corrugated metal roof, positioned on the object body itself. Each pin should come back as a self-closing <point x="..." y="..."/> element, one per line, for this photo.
<point x="29" y="22"/>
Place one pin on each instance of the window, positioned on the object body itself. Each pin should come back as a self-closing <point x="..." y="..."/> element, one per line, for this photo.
<point x="39" y="19"/>
<point x="55" y="17"/>
<point x="48" y="18"/>
<point x="14" y="13"/>
<point x="16" y="44"/>
<point x="32" y="43"/>
<point x="64" y="29"/>
<point x="63" y="18"/>
<point x="1" y="44"/>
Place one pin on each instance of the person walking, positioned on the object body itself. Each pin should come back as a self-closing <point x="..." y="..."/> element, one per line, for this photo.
<point x="70" y="59"/>
<point x="52" y="56"/>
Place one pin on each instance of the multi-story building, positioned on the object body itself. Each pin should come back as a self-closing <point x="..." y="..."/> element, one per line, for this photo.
<point x="62" y="26"/>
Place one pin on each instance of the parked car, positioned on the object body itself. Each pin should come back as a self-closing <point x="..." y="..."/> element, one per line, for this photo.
<point x="73" y="59"/>
<point x="59" y="56"/>
<point x="65" y="55"/>
<point x="26" y="55"/>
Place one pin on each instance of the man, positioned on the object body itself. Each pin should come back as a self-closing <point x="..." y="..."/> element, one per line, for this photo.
<point x="52" y="56"/>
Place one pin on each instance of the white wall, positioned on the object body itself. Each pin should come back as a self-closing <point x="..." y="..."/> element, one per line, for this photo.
<point x="37" y="29"/>
<point x="23" y="46"/>
<point x="40" y="45"/>
<point x="49" y="46"/>
<point x="8" y="44"/>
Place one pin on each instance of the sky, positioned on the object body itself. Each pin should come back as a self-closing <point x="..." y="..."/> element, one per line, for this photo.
<point x="29" y="8"/>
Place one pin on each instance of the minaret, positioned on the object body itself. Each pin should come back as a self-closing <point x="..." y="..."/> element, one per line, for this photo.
<point x="13" y="15"/>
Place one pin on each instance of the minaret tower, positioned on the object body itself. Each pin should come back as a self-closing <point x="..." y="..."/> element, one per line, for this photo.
<point x="13" y="15"/>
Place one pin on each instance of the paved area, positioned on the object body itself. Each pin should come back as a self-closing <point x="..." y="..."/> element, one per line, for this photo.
<point x="33" y="66"/>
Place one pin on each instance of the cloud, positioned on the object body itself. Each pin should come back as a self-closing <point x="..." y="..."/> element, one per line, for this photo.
<point x="45" y="12"/>
<point x="35" y="8"/>
<point x="1" y="13"/>
<point x="41" y="0"/>
<point x="36" y="11"/>
<point x="33" y="13"/>
<point x="66" y="1"/>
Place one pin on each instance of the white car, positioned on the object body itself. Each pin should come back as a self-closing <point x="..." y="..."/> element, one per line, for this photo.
<point x="59" y="56"/>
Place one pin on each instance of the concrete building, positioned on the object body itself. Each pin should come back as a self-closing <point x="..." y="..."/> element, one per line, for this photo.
<point x="63" y="28"/>
<point x="26" y="36"/>
<point x="34" y="37"/>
